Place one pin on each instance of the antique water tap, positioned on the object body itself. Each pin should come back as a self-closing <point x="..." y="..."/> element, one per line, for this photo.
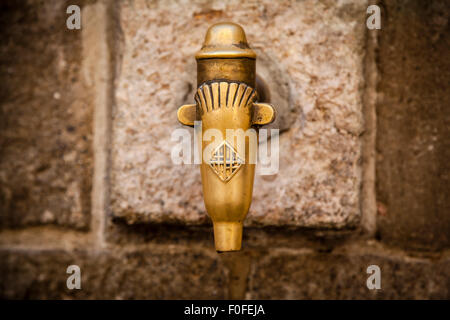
<point x="227" y="108"/>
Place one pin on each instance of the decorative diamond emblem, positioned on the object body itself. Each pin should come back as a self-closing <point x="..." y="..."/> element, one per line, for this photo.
<point x="225" y="161"/>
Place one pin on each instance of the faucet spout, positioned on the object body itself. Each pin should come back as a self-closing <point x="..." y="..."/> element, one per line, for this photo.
<point x="226" y="105"/>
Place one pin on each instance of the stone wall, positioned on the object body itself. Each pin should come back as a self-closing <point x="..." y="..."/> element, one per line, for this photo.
<point x="86" y="177"/>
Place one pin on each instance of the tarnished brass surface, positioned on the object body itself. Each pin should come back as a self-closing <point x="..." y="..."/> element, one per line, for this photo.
<point x="263" y="113"/>
<point x="187" y="114"/>
<point x="242" y="70"/>
<point x="225" y="40"/>
<point x="226" y="99"/>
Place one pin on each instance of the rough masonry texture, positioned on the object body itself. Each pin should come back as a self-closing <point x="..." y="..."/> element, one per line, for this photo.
<point x="122" y="275"/>
<point x="413" y="168"/>
<point x="319" y="47"/>
<point x="202" y="274"/>
<point x="343" y="275"/>
<point x="45" y="118"/>
<point x="54" y="82"/>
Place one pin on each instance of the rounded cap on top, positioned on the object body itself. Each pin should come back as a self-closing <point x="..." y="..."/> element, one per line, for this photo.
<point x="225" y="40"/>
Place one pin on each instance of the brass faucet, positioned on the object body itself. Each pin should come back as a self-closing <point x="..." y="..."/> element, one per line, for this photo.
<point x="227" y="108"/>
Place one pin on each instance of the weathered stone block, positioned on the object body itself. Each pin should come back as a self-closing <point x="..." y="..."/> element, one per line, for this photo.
<point x="172" y="274"/>
<point x="45" y="118"/>
<point x="317" y="46"/>
<point x="413" y="116"/>
<point x="344" y="275"/>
